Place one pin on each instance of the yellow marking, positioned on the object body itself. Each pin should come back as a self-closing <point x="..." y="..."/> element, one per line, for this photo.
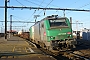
<point x="30" y="49"/>
<point x="25" y="49"/>
<point x="14" y="49"/>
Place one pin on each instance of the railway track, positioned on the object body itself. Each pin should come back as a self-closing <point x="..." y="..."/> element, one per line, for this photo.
<point x="67" y="55"/>
<point x="54" y="54"/>
<point x="50" y="53"/>
<point x="82" y="51"/>
<point x="76" y="54"/>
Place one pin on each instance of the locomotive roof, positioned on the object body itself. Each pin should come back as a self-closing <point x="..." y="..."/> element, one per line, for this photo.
<point x="54" y="18"/>
<point x="48" y="18"/>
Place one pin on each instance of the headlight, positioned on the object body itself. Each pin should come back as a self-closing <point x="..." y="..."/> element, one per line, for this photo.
<point x="52" y="37"/>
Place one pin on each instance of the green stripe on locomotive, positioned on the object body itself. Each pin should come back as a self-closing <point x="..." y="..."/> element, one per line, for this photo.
<point x="30" y="32"/>
<point x="59" y="33"/>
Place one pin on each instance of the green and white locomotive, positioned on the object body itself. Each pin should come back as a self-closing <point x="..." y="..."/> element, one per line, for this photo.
<point x="53" y="32"/>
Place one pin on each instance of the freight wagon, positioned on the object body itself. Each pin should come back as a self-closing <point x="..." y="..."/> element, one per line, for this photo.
<point x="53" y="32"/>
<point x="24" y="35"/>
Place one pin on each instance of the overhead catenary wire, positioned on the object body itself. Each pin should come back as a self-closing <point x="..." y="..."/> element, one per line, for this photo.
<point x="55" y="5"/>
<point x="49" y="3"/>
<point x="32" y="2"/>
<point x="85" y="5"/>
<point x="20" y="3"/>
<point x="70" y="4"/>
<point x="41" y="3"/>
<point x="52" y="4"/>
<point x="35" y="4"/>
<point x="17" y="17"/>
<point x="69" y="9"/>
<point x="45" y="7"/>
<point x="81" y="6"/>
<point x="19" y="21"/>
<point x="35" y="10"/>
<point x="32" y="15"/>
<point x="74" y="2"/>
<point x="45" y="3"/>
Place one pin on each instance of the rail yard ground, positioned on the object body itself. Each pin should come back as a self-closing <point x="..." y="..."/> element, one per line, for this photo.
<point x="15" y="47"/>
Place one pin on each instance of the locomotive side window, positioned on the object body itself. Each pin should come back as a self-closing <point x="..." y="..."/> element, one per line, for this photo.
<point x="57" y="22"/>
<point x="42" y="25"/>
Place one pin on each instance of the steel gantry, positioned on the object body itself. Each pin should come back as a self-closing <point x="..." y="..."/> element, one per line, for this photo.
<point x="21" y="7"/>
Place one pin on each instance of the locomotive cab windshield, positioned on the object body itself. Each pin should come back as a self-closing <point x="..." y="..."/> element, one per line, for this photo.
<point x="58" y="22"/>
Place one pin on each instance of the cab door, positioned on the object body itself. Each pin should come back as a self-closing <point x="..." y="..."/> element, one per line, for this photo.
<point x="42" y="30"/>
